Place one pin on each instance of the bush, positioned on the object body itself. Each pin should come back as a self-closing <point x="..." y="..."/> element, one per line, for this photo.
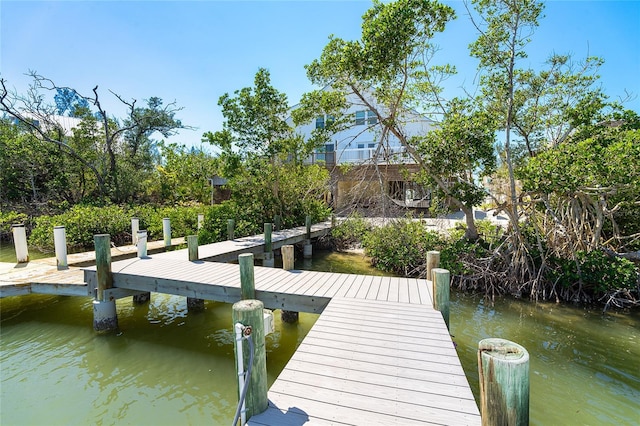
<point x="9" y="218"/>
<point x="350" y="233"/>
<point x="401" y="246"/>
<point x="600" y="273"/>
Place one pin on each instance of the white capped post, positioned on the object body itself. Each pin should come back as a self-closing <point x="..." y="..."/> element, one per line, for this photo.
<point x="60" y="244"/>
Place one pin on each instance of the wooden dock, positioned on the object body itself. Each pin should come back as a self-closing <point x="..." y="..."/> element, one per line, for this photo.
<point x="378" y="354"/>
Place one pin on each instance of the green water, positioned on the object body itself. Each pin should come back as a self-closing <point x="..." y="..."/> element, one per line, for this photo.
<point x="168" y="367"/>
<point x="8" y="252"/>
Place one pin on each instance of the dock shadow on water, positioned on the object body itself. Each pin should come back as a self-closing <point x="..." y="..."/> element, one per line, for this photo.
<point x="165" y="367"/>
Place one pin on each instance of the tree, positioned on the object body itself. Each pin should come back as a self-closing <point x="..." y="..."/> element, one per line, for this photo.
<point x="390" y="71"/>
<point x="262" y="156"/>
<point x="124" y="147"/>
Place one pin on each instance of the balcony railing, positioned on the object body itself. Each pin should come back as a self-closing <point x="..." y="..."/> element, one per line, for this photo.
<point x="356" y="156"/>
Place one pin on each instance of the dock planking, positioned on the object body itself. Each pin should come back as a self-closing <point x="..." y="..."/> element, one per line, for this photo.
<point x="378" y="354"/>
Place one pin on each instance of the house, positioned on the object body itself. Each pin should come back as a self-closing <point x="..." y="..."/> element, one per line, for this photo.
<point x="365" y="162"/>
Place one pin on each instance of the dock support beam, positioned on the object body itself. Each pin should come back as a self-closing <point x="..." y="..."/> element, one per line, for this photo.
<point x="433" y="261"/>
<point x="231" y="224"/>
<point x="288" y="262"/>
<point x="249" y="313"/>
<point x="441" y="285"/>
<point x="193" y="303"/>
<point x="503" y="367"/>
<point x="105" y="318"/>
<point x="268" y="260"/>
<point x="247" y="281"/>
<point x="60" y="244"/>
<point x="166" y="231"/>
<point x="20" y="242"/>
<point x="135" y="227"/>
<point x="141" y="243"/>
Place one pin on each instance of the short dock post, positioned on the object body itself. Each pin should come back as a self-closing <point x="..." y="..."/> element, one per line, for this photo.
<point x="200" y="220"/>
<point x="307" y="251"/>
<point x="288" y="262"/>
<point x="268" y="260"/>
<point x="334" y="221"/>
<point x="105" y="318"/>
<point x="441" y="285"/>
<point x="60" y="244"/>
<point x="249" y="313"/>
<point x="20" y="242"/>
<point x="141" y="242"/>
<point x="193" y="303"/>
<point x="277" y="221"/>
<point x="166" y="231"/>
<point x="231" y="224"/>
<point x="433" y="261"/>
<point x="135" y="227"/>
<point x="288" y="258"/>
<point x="503" y="367"/>
<point x="247" y="281"/>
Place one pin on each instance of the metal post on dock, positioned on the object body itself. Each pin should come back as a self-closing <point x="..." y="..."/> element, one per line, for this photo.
<point x="135" y="227"/>
<point x="268" y="259"/>
<point x="60" y="245"/>
<point x="231" y="224"/>
<point x="307" y="252"/>
<point x="441" y="285"/>
<point x="248" y="319"/>
<point x="105" y="318"/>
<point x="20" y="242"/>
<point x="503" y="368"/>
<point x="200" y="220"/>
<point x="433" y="261"/>
<point x="247" y="280"/>
<point x="288" y="263"/>
<point x="166" y="231"/>
<point x="194" y="304"/>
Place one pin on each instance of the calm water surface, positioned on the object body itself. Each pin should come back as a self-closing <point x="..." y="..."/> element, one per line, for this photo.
<point x="167" y="367"/>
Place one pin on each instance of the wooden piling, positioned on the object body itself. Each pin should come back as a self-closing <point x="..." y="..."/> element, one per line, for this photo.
<point x="307" y="223"/>
<point x="503" y="367"/>
<point x="250" y="313"/>
<point x="288" y="258"/>
<point x="268" y="259"/>
<point x="192" y="247"/>
<point x="247" y="282"/>
<point x="433" y="261"/>
<point x="200" y="220"/>
<point x="105" y="318"/>
<point x="277" y="222"/>
<point x="441" y="285"/>
<point x="20" y="242"/>
<point x="166" y="231"/>
<point x="142" y="244"/>
<point x="135" y="227"/>
<point x="230" y="229"/>
<point x="60" y="245"/>
<point x="194" y="304"/>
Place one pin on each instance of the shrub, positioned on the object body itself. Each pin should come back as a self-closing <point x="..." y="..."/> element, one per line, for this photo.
<point x="350" y="232"/>
<point x="9" y="218"/>
<point x="401" y="246"/>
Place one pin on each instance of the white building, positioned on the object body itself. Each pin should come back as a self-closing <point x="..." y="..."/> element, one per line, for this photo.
<point x="365" y="146"/>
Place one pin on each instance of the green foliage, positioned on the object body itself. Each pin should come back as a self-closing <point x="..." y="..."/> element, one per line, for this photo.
<point x="350" y="232"/>
<point x="8" y="218"/>
<point x="598" y="272"/>
<point x="400" y="246"/>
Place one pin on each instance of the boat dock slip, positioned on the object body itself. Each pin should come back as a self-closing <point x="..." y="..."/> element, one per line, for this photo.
<point x="369" y="362"/>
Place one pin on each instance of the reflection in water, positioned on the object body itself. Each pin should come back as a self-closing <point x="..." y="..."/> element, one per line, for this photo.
<point x="170" y="367"/>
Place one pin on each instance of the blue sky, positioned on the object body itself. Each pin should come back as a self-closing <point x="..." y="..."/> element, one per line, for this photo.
<point x="192" y="52"/>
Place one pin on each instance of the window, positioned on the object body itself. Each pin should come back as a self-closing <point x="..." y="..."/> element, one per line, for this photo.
<point x="324" y="120"/>
<point x="372" y="118"/>
<point x="360" y="146"/>
<point x="368" y="117"/>
<point x="320" y="122"/>
<point x="372" y="145"/>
